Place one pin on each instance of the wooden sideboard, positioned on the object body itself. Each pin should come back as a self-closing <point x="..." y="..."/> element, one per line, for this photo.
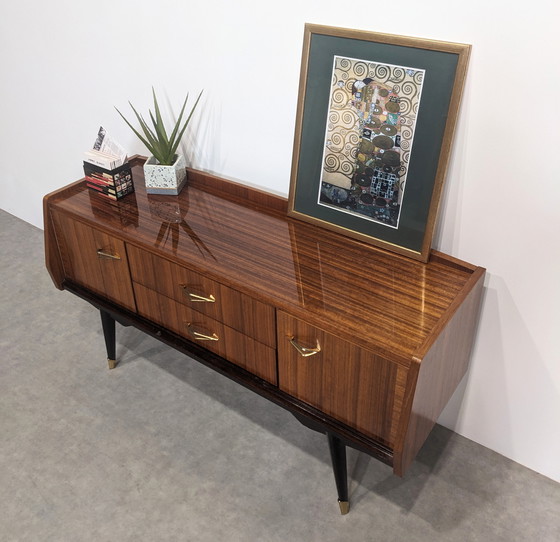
<point x="361" y="344"/>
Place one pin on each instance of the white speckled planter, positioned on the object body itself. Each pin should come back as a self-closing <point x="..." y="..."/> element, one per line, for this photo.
<point x="165" y="179"/>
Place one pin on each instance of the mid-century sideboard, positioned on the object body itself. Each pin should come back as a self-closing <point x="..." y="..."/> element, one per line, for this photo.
<point x="359" y="343"/>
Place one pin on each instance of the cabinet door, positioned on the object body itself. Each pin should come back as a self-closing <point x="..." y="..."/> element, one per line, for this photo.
<point x="94" y="260"/>
<point x="344" y="381"/>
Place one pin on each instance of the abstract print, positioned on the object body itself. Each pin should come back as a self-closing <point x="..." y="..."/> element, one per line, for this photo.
<point x="368" y="142"/>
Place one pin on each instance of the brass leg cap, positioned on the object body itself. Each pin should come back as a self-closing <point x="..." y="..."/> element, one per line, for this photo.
<point x="112" y="363"/>
<point x="344" y="507"/>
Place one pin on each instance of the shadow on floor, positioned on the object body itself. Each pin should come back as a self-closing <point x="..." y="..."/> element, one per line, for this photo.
<point x="366" y="475"/>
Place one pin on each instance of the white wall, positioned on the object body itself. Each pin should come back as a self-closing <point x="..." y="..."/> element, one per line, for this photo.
<point x="65" y="64"/>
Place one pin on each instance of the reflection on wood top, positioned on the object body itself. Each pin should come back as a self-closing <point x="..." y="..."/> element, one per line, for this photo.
<point x="242" y="237"/>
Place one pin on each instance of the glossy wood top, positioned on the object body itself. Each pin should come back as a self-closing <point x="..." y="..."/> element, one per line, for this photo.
<point x="242" y="237"/>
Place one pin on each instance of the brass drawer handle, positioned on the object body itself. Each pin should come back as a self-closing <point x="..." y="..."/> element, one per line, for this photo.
<point x="197" y="335"/>
<point x="102" y="254"/>
<point x="197" y="298"/>
<point x="304" y="351"/>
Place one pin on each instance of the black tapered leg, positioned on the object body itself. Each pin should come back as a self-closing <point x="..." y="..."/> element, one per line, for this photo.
<point x="338" y="458"/>
<point x="108" y="324"/>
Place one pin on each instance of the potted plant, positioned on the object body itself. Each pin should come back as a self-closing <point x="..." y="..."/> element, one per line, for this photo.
<point x="165" y="170"/>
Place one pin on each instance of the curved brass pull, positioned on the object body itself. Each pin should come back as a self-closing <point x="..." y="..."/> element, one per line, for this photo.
<point x="102" y="254"/>
<point x="304" y="351"/>
<point x="197" y="335"/>
<point x="197" y="298"/>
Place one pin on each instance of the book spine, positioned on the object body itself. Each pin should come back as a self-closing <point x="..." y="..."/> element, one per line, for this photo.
<point x="102" y="192"/>
<point x="99" y="182"/>
<point x="101" y="178"/>
<point x="94" y="183"/>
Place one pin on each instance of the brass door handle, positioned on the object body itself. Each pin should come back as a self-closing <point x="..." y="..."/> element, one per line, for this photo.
<point x="199" y="336"/>
<point x="196" y="298"/>
<point x="303" y="350"/>
<point x="102" y="254"/>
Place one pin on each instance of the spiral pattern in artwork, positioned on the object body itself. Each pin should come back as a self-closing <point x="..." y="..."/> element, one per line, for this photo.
<point x="369" y="138"/>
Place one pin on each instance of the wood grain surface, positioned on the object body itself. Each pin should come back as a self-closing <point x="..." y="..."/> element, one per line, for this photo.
<point x="349" y="383"/>
<point x="395" y="333"/>
<point x="233" y="308"/>
<point x="106" y="275"/>
<point x="331" y="281"/>
<point x="232" y="345"/>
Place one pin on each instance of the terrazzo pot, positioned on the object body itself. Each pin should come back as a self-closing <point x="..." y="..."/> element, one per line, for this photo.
<point x="165" y="179"/>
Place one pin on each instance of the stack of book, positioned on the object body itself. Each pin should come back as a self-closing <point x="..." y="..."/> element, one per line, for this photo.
<point x="107" y="169"/>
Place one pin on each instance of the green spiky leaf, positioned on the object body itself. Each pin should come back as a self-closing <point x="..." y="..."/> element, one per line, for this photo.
<point x="156" y="140"/>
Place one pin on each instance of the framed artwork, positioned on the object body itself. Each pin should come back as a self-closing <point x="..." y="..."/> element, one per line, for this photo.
<point x="375" y="122"/>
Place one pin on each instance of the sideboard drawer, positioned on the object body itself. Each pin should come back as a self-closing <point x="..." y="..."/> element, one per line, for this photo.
<point x="204" y="295"/>
<point x="229" y="343"/>
<point x="355" y="386"/>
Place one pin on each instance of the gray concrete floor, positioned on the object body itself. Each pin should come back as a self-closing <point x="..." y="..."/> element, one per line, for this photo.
<point x="163" y="449"/>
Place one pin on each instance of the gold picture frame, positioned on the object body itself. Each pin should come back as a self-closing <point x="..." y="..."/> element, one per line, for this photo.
<point x="374" y="127"/>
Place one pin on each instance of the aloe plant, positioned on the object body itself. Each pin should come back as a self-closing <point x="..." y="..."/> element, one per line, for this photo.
<point x="160" y="145"/>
